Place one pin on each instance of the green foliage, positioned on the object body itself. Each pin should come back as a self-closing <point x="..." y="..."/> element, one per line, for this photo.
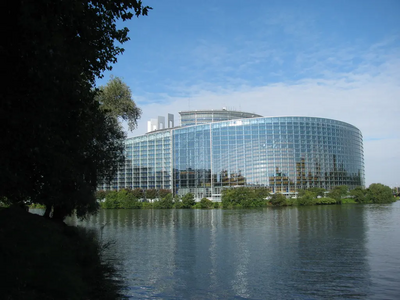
<point x="290" y="202"/>
<point x="111" y="200"/>
<point x="325" y="201"/>
<point x="359" y="195"/>
<point x="35" y="205"/>
<point x="127" y="199"/>
<point x="262" y="192"/>
<point x="379" y="193"/>
<point x="58" y="143"/>
<point x="206" y="203"/>
<point x="116" y="99"/>
<point x="197" y="205"/>
<point x="348" y="200"/>
<point x="163" y="192"/>
<point x="217" y="205"/>
<point x="319" y="192"/>
<point x="138" y="193"/>
<point x="338" y="192"/>
<point x="147" y="205"/>
<point x="151" y="193"/>
<point x="165" y="203"/>
<point x="188" y="201"/>
<point x="278" y="199"/>
<point x="244" y="197"/>
<point x="307" y="198"/>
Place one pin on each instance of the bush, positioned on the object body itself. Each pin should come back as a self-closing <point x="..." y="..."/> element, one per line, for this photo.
<point x="307" y="198"/>
<point x="359" y="195"/>
<point x="379" y="193"/>
<point x="147" y="205"/>
<point x="206" y="203"/>
<point x="130" y="201"/>
<point x="326" y="200"/>
<point x="338" y="192"/>
<point x="151" y="194"/>
<point x="244" y="197"/>
<point x="188" y="201"/>
<point x="111" y="200"/>
<point x="164" y="203"/>
<point x="278" y="199"/>
<point x="217" y="204"/>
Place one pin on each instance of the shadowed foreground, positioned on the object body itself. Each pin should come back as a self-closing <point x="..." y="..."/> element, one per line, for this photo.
<point x="41" y="259"/>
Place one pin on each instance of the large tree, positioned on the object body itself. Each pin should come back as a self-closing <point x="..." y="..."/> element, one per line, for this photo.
<point x="57" y="142"/>
<point x="379" y="193"/>
<point x="116" y="100"/>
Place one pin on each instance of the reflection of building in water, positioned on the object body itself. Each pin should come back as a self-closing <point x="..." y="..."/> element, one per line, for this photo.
<point x="217" y="149"/>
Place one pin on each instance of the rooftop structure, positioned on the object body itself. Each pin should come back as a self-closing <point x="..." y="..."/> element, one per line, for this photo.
<point x="197" y="117"/>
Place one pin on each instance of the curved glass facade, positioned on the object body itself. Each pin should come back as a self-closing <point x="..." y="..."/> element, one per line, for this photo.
<point x="282" y="153"/>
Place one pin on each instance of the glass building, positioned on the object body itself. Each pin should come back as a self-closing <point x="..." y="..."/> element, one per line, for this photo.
<point x="282" y="153"/>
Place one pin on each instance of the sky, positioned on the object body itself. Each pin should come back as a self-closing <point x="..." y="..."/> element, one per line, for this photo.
<point x="337" y="59"/>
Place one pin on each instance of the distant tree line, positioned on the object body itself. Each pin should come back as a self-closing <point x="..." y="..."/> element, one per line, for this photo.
<point x="150" y="198"/>
<point x="244" y="197"/>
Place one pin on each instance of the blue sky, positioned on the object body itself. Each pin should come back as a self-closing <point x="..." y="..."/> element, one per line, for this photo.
<point x="334" y="59"/>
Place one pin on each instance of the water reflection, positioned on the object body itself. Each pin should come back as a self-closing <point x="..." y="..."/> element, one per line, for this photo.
<point x="280" y="253"/>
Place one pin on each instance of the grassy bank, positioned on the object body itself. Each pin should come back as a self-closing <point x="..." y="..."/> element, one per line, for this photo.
<point x="41" y="259"/>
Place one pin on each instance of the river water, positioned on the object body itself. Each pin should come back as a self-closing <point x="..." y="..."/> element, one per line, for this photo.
<point x="318" y="252"/>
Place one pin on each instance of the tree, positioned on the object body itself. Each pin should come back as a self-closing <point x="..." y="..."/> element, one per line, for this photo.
<point x="206" y="203"/>
<point x="164" y="192"/>
<point x="278" y="199"/>
<point x="317" y="191"/>
<point x="57" y="143"/>
<point x="166" y="202"/>
<point x="379" y="193"/>
<point x="188" y="201"/>
<point x="307" y="198"/>
<point x="116" y="99"/>
<point x="151" y="193"/>
<point x="338" y="192"/>
<point x="244" y="197"/>
<point x="358" y="194"/>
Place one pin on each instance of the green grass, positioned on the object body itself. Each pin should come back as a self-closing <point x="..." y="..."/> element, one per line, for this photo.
<point x="41" y="259"/>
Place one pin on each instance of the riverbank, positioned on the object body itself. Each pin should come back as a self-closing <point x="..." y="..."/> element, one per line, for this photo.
<point x="41" y="259"/>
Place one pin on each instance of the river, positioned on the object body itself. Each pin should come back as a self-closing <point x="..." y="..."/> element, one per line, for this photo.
<point x="317" y="252"/>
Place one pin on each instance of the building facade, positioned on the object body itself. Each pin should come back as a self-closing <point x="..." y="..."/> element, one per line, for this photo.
<point x="284" y="154"/>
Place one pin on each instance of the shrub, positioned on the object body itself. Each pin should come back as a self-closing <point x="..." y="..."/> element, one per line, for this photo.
<point x="379" y="193"/>
<point x="217" y="204"/>
<point x="164" y="203"/>
<point x="151" y="193"/>
<point x="308" y="198"/>
<point x="188" y="200"/>
<point x="359" y="195"/>
<point x="111" y="200"/>
<point x="147" y="205"/>
<point x="278" y="199"/>
<point x="244" y="197"/>
<point x="130" y="201"/>
<point x="206" y="203"/>
<point x="338" y="192"/>
<point x="326" y="200"/>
